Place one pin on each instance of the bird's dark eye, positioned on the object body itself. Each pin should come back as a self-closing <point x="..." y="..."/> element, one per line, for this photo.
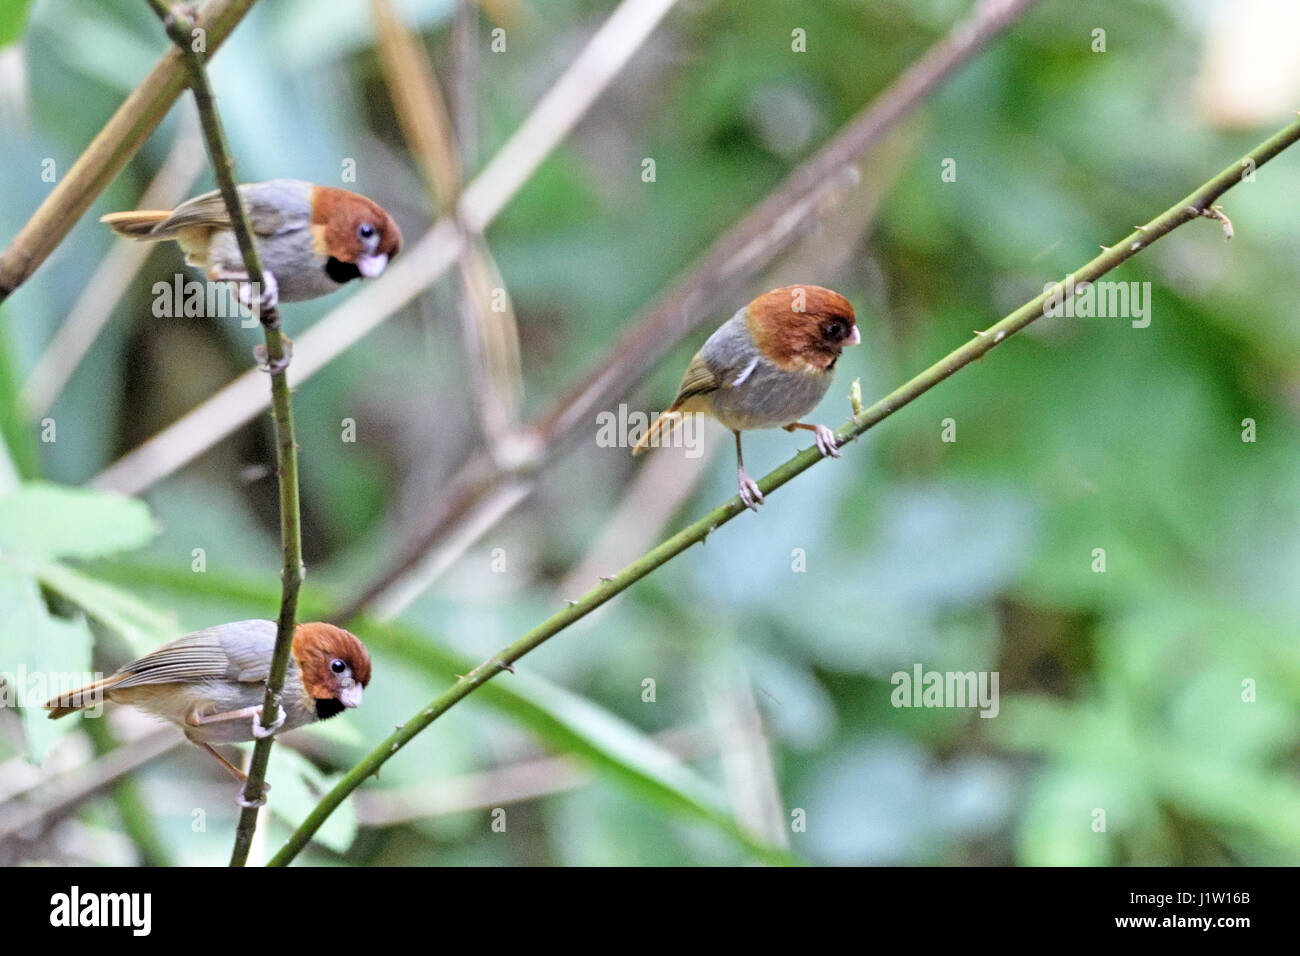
<point x="337" y="666"/>
<point x="834" y="331"/>
<point x="365" y="231"/>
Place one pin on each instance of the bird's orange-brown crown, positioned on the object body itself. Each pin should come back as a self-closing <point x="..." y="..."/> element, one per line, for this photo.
<point x="340" y="220"/>
<point x="801" y="326"/>
<point x="317" y="647"/>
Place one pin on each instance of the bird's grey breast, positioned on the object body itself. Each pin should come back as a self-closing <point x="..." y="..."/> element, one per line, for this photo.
<point x="769" y="397"/>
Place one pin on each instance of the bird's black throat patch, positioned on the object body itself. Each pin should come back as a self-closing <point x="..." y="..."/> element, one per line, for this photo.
<point x="327" y="707"/>
<point x="341" y="271"/>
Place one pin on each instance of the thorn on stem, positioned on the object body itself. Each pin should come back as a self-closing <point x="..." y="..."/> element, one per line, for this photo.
<point x="1214" y="212"/>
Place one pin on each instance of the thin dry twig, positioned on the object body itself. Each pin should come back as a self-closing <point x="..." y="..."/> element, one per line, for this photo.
<point x="57" y="795"/>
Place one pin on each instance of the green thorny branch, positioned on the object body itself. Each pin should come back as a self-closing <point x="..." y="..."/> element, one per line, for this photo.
<point x="190" y="40"/>
<point x="1194" y="206"/>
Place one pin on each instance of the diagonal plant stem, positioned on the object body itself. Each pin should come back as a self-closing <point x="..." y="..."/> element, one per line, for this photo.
<point x="181" y="30"/>
<point x="1194" y="206"/>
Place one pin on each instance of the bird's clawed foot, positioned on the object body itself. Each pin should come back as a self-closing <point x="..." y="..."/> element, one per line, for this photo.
<point x="259" y="802"/>
<point x="279" y="365"/>
<point x="259" y="732"/>
<point x="257" y="300"/>
<point x="826" y="443"/>
<point x="269" y="298"/>
<point x="749" y="492"/>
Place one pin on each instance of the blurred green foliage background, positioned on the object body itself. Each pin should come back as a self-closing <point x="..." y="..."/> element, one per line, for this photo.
<point x="1162" y="691"/>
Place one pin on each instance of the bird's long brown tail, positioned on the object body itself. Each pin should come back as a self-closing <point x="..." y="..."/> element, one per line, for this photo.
<point x="137" y="224"/>
<point x="81" y="698"/>
<point x="663" y="426"/>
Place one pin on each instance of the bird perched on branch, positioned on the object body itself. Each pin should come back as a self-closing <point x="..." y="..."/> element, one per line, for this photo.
<point x="311" y="239"/>
<point x="212" y="683"/>
<point x="765" y="367"/>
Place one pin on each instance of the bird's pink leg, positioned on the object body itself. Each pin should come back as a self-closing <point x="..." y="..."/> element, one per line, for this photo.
<point x="234" y="771"/>
<point x="255" y="712"/>
<point x="198" y="720"/>
<point x="749" y="492"/>
<point x="826" y="443"/>
<point x="269" y="298"/>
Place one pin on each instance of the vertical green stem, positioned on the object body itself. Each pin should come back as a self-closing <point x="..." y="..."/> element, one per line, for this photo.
<point x="181" y="29"/>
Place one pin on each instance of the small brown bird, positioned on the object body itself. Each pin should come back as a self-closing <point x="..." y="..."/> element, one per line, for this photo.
<point x="211" y="683"/>
<point x="765" y="367"/>
<point x="311" y="239"/>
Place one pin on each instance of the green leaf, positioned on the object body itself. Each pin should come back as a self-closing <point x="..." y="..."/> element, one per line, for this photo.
<point x="48" y="655"/>
<point x="298" y="786"/>
<point x="15" y="428"/>
<point x="571" y="724"/>
<point x="137" y="622"/>
<point x="13" y="20"/>
<point x="42" y="520"/>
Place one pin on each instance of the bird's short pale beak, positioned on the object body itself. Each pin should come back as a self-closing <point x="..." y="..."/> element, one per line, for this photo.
<point x="351" y="696"/>
<point x="372" y="266"/>
<point x="856" y="337"/>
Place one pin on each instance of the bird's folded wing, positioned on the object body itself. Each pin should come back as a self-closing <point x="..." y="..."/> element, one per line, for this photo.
<point x="231" y="652"/>
<point x="700" y="379"/>
<point x="706" y="375"/>
<point x="266" y="215"/>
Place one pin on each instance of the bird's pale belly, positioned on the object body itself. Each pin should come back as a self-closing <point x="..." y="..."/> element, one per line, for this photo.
<point x="283" y="255"/>
<point x="769" y="398"/>
<point x="176" y="701"/>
